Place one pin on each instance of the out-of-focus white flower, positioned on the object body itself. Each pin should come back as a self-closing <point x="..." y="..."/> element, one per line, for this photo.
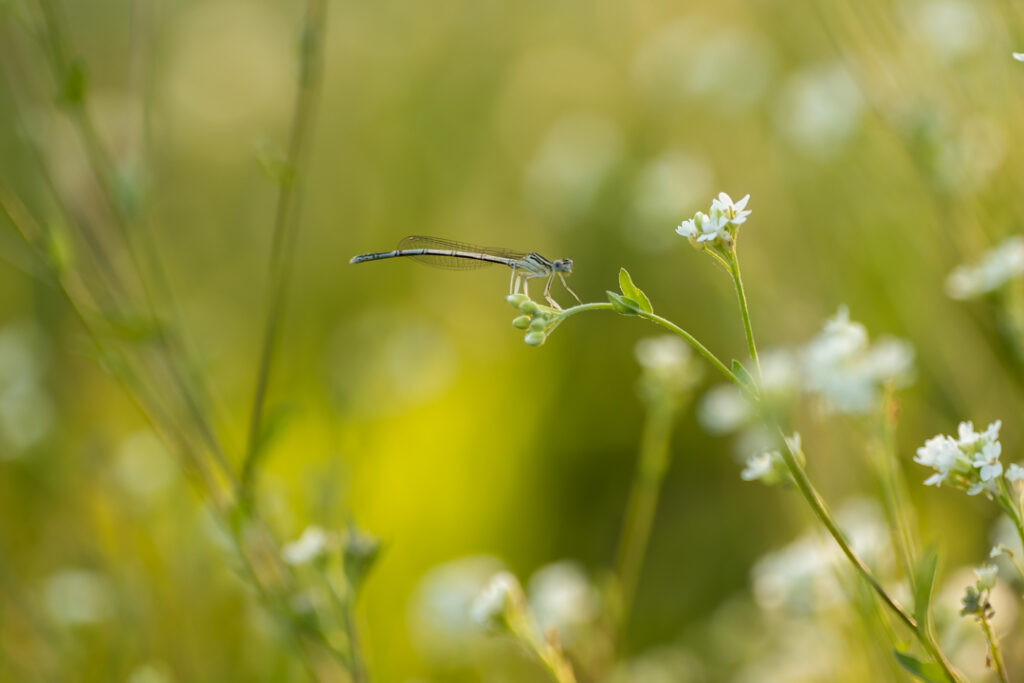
<point x="77" y="597"/>
<point x="493" y="602"/>
<point x="310" y="546"/>
<point x="562" y="598"/>
<point x="819" y="109"/>
<point x="723" y="409"/>
<point x="847" y="372"/>
<point x="948" y="28"/>
<point x="987" y="575"/>
<point x="1014" y="473"/>
<point x="996" y="267"/>
<point x="761" y="466"/>
<point x="441" y="624"/>
<point x="574" y="159"/>
<point x="665" y="187"/>
<point x="969" y="462"/>
<point x="802" y="576"/>
<point x="668" y="366"/>
<point x="1019" y="56"/>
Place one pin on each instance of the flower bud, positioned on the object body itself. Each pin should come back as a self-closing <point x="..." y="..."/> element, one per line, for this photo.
<point x="521" y="322"/>
<point x="535" y="338"/>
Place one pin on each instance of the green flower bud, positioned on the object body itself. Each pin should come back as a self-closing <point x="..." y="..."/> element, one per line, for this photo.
<point x="516" y="300"/>
<point x="521" y="322"/>
<point x="538" y="323"/>
<point x="528" y="307"/>
<point x="535" y="338"/>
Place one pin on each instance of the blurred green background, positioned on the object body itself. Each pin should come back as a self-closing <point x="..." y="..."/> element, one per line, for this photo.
<point x="875" y="139"/>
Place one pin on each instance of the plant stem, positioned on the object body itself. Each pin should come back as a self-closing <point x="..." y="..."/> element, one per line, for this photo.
<point x="993" y="648"/>
<point x="734" y="270"/>
<point x="286" y="224"/>
<point x="643" y="501"/>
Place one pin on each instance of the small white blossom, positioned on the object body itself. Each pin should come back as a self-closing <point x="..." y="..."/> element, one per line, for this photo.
<point x="311" y="545"/>
<point x="844" y="369"/>
<point x="995" y="552"/>
<point x="494" y="600"/>
<point x="986" y="575"/>
<point x="760" y="465"/>
<point x="704" y="228"/>
<point x="1014" y="473"/>
<point x="969" y="462"/>
<point x="717" y="228"/>
<point x="996" y="267"/>
<point x="1019" y="56"/>
<point x="562" y="599"/>
<point x="725" y="210"/>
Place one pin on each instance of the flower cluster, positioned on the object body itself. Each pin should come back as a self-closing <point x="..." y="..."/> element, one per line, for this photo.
<point x="718" y="227"/>
<point x="538" y="321"/>
<point x="848" y="372"/>
<point x="995" y="268"/>
<point x="668" y="367"/>
<point x="769" y="466"/>
<point x="976" y="598"/>
<point x="969" y="462"/>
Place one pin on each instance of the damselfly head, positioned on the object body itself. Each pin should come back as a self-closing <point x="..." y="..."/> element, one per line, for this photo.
<point x="563" y="265"/>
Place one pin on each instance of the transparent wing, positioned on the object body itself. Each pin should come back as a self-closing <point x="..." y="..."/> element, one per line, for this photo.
<point x="454" y="262"/>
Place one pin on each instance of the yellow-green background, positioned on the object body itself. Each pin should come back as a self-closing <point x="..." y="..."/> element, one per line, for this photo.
<point x="416" y="409"/>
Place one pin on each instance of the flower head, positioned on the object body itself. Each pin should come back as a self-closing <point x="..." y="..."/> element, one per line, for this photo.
<point x="718" y="227"/>
<point x="995" y="268"/>
<point x="491" y="606"/>
<point x="310" y="546"/>
<point x="969" y="462"/>
<point x="727" y="211"/>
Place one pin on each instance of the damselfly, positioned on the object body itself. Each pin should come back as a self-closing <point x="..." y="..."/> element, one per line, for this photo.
<point x="461" y="256"/>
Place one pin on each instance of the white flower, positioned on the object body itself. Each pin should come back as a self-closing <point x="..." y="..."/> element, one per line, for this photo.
<point x="725" y="210"/>
<point x="844" y="369"/>
<point x="941" y="453"/>
<point x="718" y="228"/>
<point x="996" y="267"/>
<point x="77" y="597"/>
<point x="759" y="466"/>
<point x="986" y="575"/>
<point x="311" y="545"/>
<point x="1014" y="473"/>
<point x="995" y="552"/>
<point x="969" y="462"/>
<point x="563" y="599"/>
<point x="703" y="228"/>
<point x="723" y="409"/>
<point x="1019" y="56"/>
<point x="493" y="601"/>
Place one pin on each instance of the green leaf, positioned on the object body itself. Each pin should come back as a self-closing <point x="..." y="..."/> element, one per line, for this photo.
<point x="623" y="305"/>
<point x="744" y="377"/>
<point x="926" y="671"/>
<point x="631" y="291"/>
<point x="924" y="580"/>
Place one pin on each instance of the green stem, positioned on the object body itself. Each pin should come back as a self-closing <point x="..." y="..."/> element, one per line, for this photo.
<point x="643" y="501"/>
<point x="993" y="648"/>
<point x="893" y="487"/>
<point x="734" y="270"/>
<point x="286" y="224"/>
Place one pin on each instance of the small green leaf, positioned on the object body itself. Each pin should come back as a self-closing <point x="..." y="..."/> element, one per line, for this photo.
<point x="623" y="305"/>
<point x="926" y="671"/>
<point x="633" y="292"/>
<point x="924" y="580"/>
<point x="744" y="377"/>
